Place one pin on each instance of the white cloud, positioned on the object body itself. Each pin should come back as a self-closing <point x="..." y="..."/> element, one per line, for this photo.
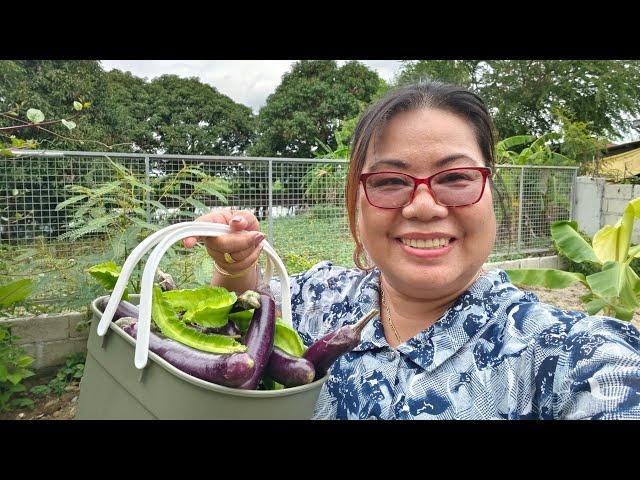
<point x="248" y="82"/>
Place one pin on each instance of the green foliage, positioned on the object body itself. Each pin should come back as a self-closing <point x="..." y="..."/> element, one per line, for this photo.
<point x="15" y="292"/>
<point x="297" y="263"/>
<point x="72" y="371"/>
<point x="306" y="107"/>
<point x="40" y="390"/>
<point x="522" y="95"/>
<point x="13" y="360"/>
<point x="113" y="207"/>
<point x="614" y="287"/>
<point x="13" y="370"/>
<point x="190" y="117"/>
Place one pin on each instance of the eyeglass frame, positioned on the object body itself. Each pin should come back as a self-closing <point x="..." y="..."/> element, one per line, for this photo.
<point x="485" y="171"/>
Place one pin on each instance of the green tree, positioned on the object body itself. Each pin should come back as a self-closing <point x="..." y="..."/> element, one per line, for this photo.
<point x="52" y="86"/>
<point x="127" y="110"/>
<point x="522" y="95"/>
<point x="309" y="103"/>
<point x="190" y="117"/>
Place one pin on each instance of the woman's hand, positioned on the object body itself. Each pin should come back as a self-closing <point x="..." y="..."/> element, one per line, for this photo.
<point x="242" y="246"/>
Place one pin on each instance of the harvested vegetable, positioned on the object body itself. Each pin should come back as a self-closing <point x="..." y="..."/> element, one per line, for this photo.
<point x="327" y="350"/>
<point x="288" y="340"/>
<point x="230" y="329"/>
<point x="289" y="370"/>
<point x="206" y="306"/>
<point x="124" y="309"/>
<point x="229" y="370"/>
<point x="259" y="339"/>
<point x="249" y="300"/>
<point x="171" y="326"/>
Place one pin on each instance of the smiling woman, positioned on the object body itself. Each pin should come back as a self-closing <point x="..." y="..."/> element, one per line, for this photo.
<point x="451" y="341"/>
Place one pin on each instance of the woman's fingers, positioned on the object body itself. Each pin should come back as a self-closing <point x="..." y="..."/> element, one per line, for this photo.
<point x="238" y="220"/>
<point x="239" y="245"/>
<point x="212" y="217"/>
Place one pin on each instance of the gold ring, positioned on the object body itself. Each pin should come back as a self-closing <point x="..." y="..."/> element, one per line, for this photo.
<point x="228" y="258"/>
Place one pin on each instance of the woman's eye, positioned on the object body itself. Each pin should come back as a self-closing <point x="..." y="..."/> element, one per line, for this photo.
<point x="390" y="182"/>
<point x="454" y="177"/>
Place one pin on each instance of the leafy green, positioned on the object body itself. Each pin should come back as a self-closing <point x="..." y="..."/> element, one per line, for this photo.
<point x="171" y="326"/>
<point x="15" y="292"/>
<point x="107" y="274"/>
<point x="288" y="339"/>
<point x="206" y="306"/>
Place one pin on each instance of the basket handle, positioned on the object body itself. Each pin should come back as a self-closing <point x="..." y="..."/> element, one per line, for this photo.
<point x="148" y="276"/>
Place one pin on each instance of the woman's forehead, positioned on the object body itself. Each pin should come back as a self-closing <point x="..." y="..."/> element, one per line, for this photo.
<point x="425" y="139"/>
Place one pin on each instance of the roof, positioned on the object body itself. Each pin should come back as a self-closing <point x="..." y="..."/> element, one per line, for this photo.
<point x="626" y="163"/>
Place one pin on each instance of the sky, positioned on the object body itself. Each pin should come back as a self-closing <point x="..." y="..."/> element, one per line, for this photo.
<point x="248" y="82"/>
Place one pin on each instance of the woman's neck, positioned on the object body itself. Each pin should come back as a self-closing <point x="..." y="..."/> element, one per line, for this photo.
<point x="410" y="315"/>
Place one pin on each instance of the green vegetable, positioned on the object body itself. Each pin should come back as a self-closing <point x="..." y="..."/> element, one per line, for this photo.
<point x="242" y="319"/>
<point x="287" y="339"/>
<point x="206" y="306"/>
<point x="171" y="326"/>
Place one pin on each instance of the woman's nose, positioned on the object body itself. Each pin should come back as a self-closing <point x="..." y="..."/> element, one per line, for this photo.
<point x="424" y="206"/>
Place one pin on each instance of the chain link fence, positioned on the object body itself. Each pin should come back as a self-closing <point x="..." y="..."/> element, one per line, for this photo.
<point x="299" y="202"/>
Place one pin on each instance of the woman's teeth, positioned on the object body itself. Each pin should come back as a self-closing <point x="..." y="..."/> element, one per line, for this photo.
<point x="430" y="243"/>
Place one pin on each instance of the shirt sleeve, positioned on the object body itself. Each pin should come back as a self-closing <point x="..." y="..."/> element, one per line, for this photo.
<point x="598" y="371"/>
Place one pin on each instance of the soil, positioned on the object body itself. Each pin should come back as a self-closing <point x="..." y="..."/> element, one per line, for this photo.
<point x="54" y="407"/>
<point x="49" y="407"/>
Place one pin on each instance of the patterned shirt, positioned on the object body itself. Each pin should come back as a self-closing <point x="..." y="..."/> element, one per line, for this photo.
<point x="496" y="353"/>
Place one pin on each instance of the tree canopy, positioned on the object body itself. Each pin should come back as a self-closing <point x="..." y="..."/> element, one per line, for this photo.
<point x="531" y="96"/>
<point x="305" y="109"/>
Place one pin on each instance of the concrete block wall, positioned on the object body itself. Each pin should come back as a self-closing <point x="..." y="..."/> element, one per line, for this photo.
<point x="551" y="261"/>
<point x="50" y="339"/>
<point x="597" y="203"/>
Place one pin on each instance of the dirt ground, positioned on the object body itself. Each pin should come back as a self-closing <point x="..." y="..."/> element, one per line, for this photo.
<point x="49" y="407"/>
<point x="569" y="298"/>
<point x="54" y="407"/>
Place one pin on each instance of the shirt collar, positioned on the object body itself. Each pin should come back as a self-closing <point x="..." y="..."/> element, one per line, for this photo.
<point x="460" y="322"/>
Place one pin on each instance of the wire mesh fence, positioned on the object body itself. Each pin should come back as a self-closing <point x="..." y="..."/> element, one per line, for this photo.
<point x="73" y="200"/>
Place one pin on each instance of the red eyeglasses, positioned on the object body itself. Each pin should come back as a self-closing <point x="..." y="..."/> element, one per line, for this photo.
<point x="454" y="187"/>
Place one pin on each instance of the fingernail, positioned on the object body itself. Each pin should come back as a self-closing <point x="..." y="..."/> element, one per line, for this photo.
<point x="258" y="239"/>
<point x="236" y="219"/>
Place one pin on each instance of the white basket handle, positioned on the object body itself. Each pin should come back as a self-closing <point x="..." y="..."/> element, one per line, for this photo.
<point x="164" y="239"/>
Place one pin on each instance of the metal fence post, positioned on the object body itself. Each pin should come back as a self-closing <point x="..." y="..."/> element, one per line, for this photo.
<point x="147" y="182"/>
<point x="574" y="185"/>
<point x="520" y="208"/>
<point x="270" y="224"/>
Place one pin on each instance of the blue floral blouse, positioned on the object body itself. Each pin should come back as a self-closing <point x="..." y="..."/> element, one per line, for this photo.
<point x="496" y="353"/>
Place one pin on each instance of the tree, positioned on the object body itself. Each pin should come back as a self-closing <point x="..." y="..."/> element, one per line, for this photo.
<point x="523" y="94"/>
<point x="52" y="86"/>
<point x="306" y="107"/>
<point x="190" y="117"/>
<point x="127" y="110"/>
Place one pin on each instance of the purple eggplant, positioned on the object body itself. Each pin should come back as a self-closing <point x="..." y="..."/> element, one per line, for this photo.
<point x="124" y="309"/>
<point x="230" y="329"/>
<point x="289" y="370"/>
<point x="259" y="339"/>
<point x="229" y="370"/>
<point x="325" y="351"/>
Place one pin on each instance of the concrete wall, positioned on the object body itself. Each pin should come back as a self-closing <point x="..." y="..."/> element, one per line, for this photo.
<point x="552" y="261"/>
<point x="597" y="203"/>
<point x="50" y="339"/>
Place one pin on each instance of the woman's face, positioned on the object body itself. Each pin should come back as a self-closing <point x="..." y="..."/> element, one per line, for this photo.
<point x="421" y="143"/>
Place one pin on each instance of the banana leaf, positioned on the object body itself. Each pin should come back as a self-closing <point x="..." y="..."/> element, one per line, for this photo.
<point x="571" y="244"/>
<point x="546" y="277"/>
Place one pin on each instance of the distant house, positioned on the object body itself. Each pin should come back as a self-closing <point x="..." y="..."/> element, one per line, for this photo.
<point x="622" y="160"/>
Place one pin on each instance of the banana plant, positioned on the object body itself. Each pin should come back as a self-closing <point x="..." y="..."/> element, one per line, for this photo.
<point x="615" y="289"/>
